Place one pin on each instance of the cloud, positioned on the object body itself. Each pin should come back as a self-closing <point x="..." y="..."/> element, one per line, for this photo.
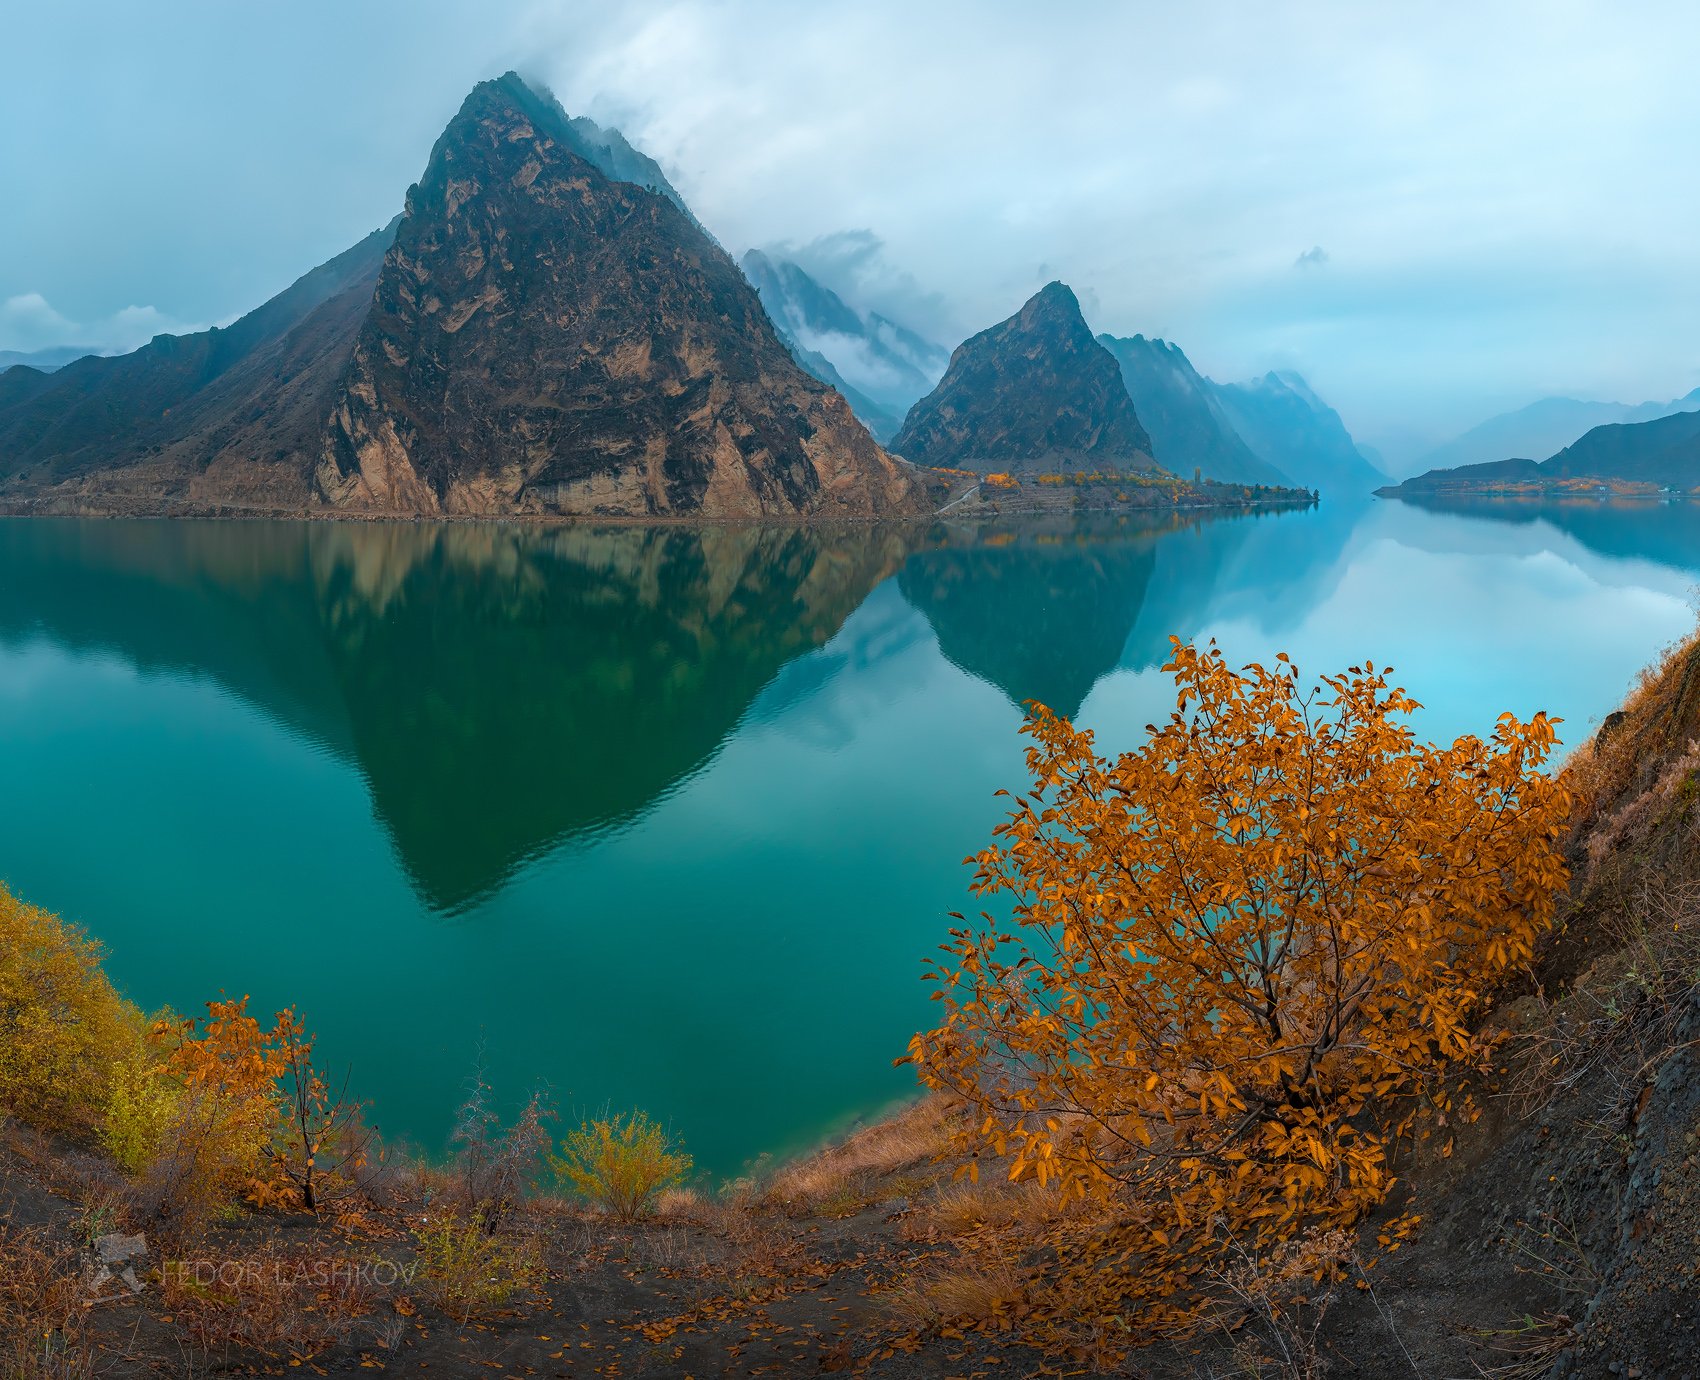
<point x="1514" y="139"/>
<point x="855" y="265"/>
<point x="28" y="321"/>
<point x="1498" y="188"/>
<point x="1314" y="257"/>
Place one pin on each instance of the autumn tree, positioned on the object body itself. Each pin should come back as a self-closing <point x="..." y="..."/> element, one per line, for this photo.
<point x="321" y="1146"/>
<point x="1237" y="960"/>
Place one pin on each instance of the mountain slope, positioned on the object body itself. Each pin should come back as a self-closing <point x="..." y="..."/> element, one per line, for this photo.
<point x="1285" y="423"/>
<point x="1543" y="428"/>
<point x="1032" y="394"/>
<point x="880" y="367"/>
<point x="103" y="413"/>
<point x="1189" y="427"/>
<point x="544" y="339"/>
<point x="1663" y="454"/>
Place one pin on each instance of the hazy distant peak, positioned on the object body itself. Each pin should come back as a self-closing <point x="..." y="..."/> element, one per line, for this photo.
<point x="880" y="365"/>
<point x="1543" y="428"/>
<point x="1189" y="427"/>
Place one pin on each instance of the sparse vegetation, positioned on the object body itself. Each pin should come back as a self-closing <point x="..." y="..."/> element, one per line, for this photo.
<point x="470" y="1271"/>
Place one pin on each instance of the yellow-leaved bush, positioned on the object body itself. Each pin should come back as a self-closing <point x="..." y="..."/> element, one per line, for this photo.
<point x="1239" y="958"/>
<point x="64" y="1029"/>
<point x="622" y="1162"/>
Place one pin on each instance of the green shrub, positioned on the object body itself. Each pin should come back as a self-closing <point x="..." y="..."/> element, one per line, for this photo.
<point x="140" y="1112"/>
<point x="621" y="1162"/>
<point x="469" y="1271"/>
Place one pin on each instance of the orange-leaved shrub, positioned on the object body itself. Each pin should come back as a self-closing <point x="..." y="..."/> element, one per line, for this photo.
<point x="1239" y="958"/>
<point x="225" y="1109"/>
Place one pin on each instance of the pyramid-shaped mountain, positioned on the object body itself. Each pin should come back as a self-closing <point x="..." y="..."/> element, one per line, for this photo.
<point x="1034" y="394"/>
<point x="545" y="330"/>
<point x="1189" y="427"/>
<point x="545" y="338"/>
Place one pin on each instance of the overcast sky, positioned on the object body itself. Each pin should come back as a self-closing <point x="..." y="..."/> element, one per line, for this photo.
<point x="1434" y="212"/>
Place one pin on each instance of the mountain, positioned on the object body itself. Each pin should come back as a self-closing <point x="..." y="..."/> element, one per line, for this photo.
<point x="591" y="351"/>
<point x="1660" y="454"/>
<point x="1288" y="426"/>
<point x="1033" y="394"/>
<point x="882" y="368"/>
<point x="535" y="334"/>
<point x="1189" y="426"/>
<point x="211" y="417"/>
<point x="1543" y="428"/>
<point x="54" y="357"/>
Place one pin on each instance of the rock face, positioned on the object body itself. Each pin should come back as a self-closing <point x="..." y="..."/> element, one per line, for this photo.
<point x="545" y="330"/>
<point x="1189" y="426"/>
<point x="1033" y="394"/>
<point x="1286" y="424"/>
<point x="546" y="339"/>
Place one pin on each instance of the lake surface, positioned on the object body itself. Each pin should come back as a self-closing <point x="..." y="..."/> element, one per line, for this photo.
<point x="666" y="818"/>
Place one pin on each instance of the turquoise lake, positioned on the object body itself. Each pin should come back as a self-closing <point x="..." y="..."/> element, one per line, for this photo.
<point x="669" y="818"/>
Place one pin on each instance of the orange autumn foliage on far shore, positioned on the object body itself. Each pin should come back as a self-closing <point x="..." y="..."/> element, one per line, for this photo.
<point x="1239" y="959"/>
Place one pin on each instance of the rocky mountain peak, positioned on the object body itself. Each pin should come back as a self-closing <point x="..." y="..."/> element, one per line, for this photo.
<point x="1033" y="393"/>
<point x="547" y="337"/>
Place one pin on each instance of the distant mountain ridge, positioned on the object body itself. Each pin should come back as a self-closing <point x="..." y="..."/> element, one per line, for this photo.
<point x="1283" y="420"/>
<point x="1183" y="412"/>
<point x="1660" y="454"/>
<point x="1543" y="428"/>
<point x="536" y="333"/>
<point x="47" y="360"/>
<point x="882" y="368"/>
<point x="1034" y="393"/>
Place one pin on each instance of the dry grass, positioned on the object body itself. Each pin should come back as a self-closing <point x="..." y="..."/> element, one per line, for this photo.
<point x="680" y="1203"/>
<point x="961" y="1209"/>
<point x="1528" y="1348"/>
<point x="269" y="1298"/>
<point x="867" y="1167"/>
<point x="751" y="1244"/>
<point x="974" y="1293"/>
<point x="1660" y="719"/>
<point x="1618" y="1023"/>
<point x="1674" y="788"/>
<point x="42" y="1317"/>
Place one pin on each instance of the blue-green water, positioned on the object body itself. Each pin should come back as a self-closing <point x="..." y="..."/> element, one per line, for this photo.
<point x="667" y="818"/>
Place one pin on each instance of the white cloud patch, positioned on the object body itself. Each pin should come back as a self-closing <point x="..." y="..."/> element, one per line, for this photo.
<point x="28" y="322"/>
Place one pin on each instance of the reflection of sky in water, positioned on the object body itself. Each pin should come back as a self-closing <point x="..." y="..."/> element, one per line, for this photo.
<point x="1474" y="615"/>
<point x="739" y="951"/>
